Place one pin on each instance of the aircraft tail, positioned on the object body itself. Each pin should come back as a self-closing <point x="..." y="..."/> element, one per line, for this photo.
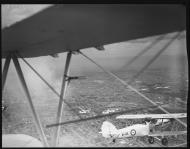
<point x="108" y="129"/>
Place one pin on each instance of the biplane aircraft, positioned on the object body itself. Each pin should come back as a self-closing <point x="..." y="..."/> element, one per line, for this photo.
<point x="70" y="28"/>
<point x="108" y="130"/>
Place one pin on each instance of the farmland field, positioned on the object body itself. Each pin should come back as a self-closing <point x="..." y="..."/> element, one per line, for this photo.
<point x="96" y="94"/>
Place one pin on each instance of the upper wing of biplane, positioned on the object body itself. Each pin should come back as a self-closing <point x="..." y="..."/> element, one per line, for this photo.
<point x="65" y="27"/>
<point x="152" y="116"/>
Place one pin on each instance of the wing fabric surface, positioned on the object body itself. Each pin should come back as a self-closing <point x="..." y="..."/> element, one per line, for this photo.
<point x="65" y="27"/>
<point x="152" y="116"/>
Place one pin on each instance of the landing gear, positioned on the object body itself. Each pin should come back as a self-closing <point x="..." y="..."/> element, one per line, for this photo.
<point x="154" y="121"/>
<point x="165" y="141"/>
<point x="151" y="140"/>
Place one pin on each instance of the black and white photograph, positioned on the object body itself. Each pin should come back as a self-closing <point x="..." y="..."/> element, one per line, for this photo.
<point x="94" y="75"/>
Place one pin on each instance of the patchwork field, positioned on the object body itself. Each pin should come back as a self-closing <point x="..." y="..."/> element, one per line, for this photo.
<point x="97" y="95"/>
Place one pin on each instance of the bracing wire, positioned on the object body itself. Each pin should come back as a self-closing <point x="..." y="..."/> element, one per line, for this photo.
<point x="73" y="110"/>
<point x="133" y="89"/>
<point x="154" y="58"/>
<point x="130" y="87"/>
<point x="143" y="51"/>
<point x="49" y="85"/>
<point x="123" y="82"/>
<point x="104" y="115"/>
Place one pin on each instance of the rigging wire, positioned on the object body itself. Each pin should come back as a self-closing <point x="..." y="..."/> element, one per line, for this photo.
<point x="157" y="40"/>
<point x="130" y="87"/>
<point x="123" y="82"/>
<point x="133" y="89"/>
<point x="73" y="110"/>
<point x="104" y="115"/>
<point x="154" y="58"/>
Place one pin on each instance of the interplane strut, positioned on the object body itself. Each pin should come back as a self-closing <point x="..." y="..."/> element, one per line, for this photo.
<point x="61" y="100"/>
<point x="26" y="91"/>
<point x="48" y="84"/>
<point x="5" y="70"/>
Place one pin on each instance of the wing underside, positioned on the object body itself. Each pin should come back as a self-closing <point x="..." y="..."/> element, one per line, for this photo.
<point x="69" y="27"/>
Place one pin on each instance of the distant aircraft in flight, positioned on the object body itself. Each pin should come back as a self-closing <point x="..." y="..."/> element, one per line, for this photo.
<point x="108" y="130"/>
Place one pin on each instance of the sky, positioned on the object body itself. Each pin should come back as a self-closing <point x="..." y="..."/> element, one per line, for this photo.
<point x="11" y="13"/>
<point x="114" y="57"/>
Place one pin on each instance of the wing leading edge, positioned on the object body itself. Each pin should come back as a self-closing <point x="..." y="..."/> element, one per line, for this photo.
<point x="152" y="116"/>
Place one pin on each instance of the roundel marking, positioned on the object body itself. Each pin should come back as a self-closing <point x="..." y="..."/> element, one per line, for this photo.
<point x="133" y="132"/>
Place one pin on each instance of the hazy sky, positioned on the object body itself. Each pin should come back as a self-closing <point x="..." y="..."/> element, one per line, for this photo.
<point x="14" y="13"/>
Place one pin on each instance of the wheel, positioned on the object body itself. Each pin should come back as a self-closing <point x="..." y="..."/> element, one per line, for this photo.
<point x="165" y="141"/>
<point x="147" y="120"/>
<point x="151" y="140"/>
<point x="154" y="121"/>
<point x="114" y="140"/>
